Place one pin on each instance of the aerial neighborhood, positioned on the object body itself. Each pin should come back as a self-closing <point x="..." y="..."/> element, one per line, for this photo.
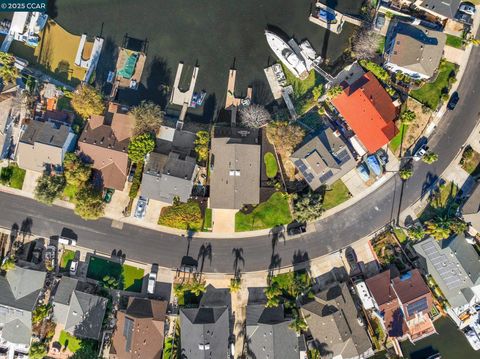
<point x="290" y="179"/>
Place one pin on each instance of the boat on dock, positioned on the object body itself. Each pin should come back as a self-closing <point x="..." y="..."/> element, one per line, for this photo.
<point x="294" y="62"/>
<point x="472" y="338"/>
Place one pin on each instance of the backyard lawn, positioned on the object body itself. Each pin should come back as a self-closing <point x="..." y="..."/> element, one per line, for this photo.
<point x="335" y="194"/>
<point x="66" y="259"/>
<point x="69" y="341"/>
<point x="302" y="89"/>
<point x="12" y="176"/>
<point x="454" y="41"/>
<point x="430" y="94"/>
<point x="275" y="211"/>
<point x="270" y="164"/>
<point x="129" y="278"/>
<point x="397" y="140"/>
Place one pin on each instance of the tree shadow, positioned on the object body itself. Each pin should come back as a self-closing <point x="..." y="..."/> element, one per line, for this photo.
<point x="301" y="260"/>
<point x="106" y="63"/>
<point x="14" y="230"/>
<point x="26" y="228"/>
<point x="238" y="260"/>
<point x="429" y="185"/>
<point x="261" y="92"/>
<point x="157" y="85"/>
<point x="205" y="252"/>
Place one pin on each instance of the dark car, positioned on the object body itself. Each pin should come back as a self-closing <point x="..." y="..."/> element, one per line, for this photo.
<point x="453" y="101"/>
<point x="132" y="172"/>
<point x="296" y="228"/>
<point x="352" y="260"/>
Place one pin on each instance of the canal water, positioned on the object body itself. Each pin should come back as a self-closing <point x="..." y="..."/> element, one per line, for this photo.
<point x="216" y="34"/>
<point x="449" y="342"/>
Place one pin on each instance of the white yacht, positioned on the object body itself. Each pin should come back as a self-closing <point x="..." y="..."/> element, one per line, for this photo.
<point x="287" y="56"/>
<point x="472" y="338"/>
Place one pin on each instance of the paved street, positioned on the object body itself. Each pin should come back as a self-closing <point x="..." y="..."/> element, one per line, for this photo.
<point x="260" y="253"/>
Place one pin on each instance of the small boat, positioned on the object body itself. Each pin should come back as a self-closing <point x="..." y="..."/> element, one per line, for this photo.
<point x="193" y="102"/>
<point x="201" y="98"/>
<point x="295" y="64"/>
<point x="326" y="15"/>
<point x="374" y="165"/>
<point x="472" y="338"/>
<point x="363" y="171"/>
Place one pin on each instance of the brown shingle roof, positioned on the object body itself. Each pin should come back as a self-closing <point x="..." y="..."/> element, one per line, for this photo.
<point x="380" y="288"/>
<point x="410" y="287"/>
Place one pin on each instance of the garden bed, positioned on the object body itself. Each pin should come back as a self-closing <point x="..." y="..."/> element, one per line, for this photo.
<point x="389" y="252"/>
<point x="181" y="215"/>
<point x="67" y="257"/>
<point x="129" y="278"/>
<point x="470" y="162"/>
<point x="275" y="211"/>
<point x="454" y="41"/>
<point x="442" y="202"/>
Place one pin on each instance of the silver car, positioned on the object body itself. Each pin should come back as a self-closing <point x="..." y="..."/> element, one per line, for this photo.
<point x="141" y="207"/>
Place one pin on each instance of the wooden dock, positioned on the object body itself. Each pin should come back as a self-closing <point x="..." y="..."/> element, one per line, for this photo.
<point x="231" y="100"/>
<point x="335" y="26"/>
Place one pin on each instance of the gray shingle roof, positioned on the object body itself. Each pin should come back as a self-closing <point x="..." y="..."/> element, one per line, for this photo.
<point x="45" y="132"/>
<point x="447" y="8"/>
<point x="17" y="332"/>
<point x="205" y="330"/>
<point x="415" y="48"/>
<point x="332" y="321"/>
<point x="235" y="169"/>
<point x="325" y="157"/>
<point x="453" y="264"/>
<point x="64" y="291"/>
<point x="268" y="334"/>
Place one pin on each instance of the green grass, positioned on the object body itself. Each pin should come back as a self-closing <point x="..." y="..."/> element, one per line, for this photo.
<point x="270" y="164"/>
<point x="397" y="140"/>
<point x="275" y="211"/>
<point x="471" y="164"/>
<point x="335" y="194"/>
<point x="442" y="202"/>
<point x="381" y="45"/>
<point x="430" y="94"/>
<point x="207" y="221"/>
<point x="454" y="41"/>
<point x="167" y="348"/>
<point x="70" y="192"/>
<point x="64" y="103"/>
<point x="286" y="282"/>
<point x="182" y="216"/>
<point x="69" y="341"/>
<point x="400" y="233"/>
<point x="67" y="257"/>
<point x="12" y="176"/>
<point x="129" y="278"/>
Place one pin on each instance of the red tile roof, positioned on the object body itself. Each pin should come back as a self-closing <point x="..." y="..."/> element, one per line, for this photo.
<point x="369" y="111"/>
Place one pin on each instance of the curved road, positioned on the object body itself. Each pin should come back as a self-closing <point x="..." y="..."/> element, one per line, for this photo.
<point x="260" y="253"/>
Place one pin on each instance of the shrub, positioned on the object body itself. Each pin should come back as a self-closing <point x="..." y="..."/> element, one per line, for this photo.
<point x="137" y="180"/>
<point x="379" y="72"/>
<point x="182" y="215"/>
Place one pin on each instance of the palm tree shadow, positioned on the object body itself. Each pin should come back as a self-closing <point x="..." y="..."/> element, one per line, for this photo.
<point x="238" y="260"/>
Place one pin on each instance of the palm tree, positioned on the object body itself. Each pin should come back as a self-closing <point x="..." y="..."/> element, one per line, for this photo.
<point x="430" y="157"/>
<point x="405" y="173"/>
<point x="197" y="287"/>
<point x="8" y="264"/>
<point x="439" y="227"/>
<point x="299" y="324"/>
<point x="407" y="117"/>
<point x="235" y="285"/>
<point x="272" y="302"/>
<point x="178" y="290"/>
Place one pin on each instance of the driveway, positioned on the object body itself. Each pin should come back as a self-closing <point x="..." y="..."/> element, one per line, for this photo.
<point x="119" y="201"/>
<point x="30" y="181"/>
<point x="223" y="220"/>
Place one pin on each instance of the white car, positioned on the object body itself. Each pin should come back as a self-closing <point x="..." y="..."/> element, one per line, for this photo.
<point x="152" y="280"/>
<point x="467" y="8"/>
<point x="73" y="267"/>
<point x="420" y="153"/>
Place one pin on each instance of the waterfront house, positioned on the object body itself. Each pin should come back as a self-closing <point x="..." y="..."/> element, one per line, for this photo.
<point x="205" y="331"/>
<point x="402" y="304"/>
<point x="8" y="117"/>
<point x="140" y="329"/>
<point x="43" y="146"/>
<point x="471" y="210"/>
<point x="170" y="170"/>
<point x="78" y="313"/>
<point x="323" y="159"/>
<point x="369" y="111"/>
<point x="104" y="143"/>
<point x="234" y="168"/>
<point x="414" y="50"/>
<point x="268" y="334"/>
<point x="454" y="265"/>
<point x="333" y="325"/>
<point x="20" y="289"/>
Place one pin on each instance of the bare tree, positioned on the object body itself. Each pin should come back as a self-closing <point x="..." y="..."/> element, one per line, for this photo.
<point x="365" y="44"/>
<point x="254" y="116"/>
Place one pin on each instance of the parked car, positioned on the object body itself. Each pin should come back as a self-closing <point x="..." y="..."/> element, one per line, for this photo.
<point x="68" y="237"/>
<point x="420" y="153"/>
<point x="132" y="172"/>
<point x="152" y="279"/>
<point x="351" y="258"/>
<point x="453" y="101"/>
<point x="141" y="207"/>
<point x="108" y="194"/>
<point x="380" y="21"/>
<point x="296" y="228"/>
<point x="467" y="8"/>
<point x="73" y="267"/>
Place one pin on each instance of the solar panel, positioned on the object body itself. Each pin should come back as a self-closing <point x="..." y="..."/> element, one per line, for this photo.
<point x="443" y="265"/>
<point x="417" y="307"/>
<point x="299" y="163"/>
<point x="309" y="178"/>
<point x="326" y="176"/>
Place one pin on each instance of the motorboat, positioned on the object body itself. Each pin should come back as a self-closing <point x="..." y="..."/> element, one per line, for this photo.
<point x="201" y="98"/>
<point x="363" y="171"/>
<point x="472" y="338"/>
<point x="374" y="165"/>
<point x="294" y="62"/>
